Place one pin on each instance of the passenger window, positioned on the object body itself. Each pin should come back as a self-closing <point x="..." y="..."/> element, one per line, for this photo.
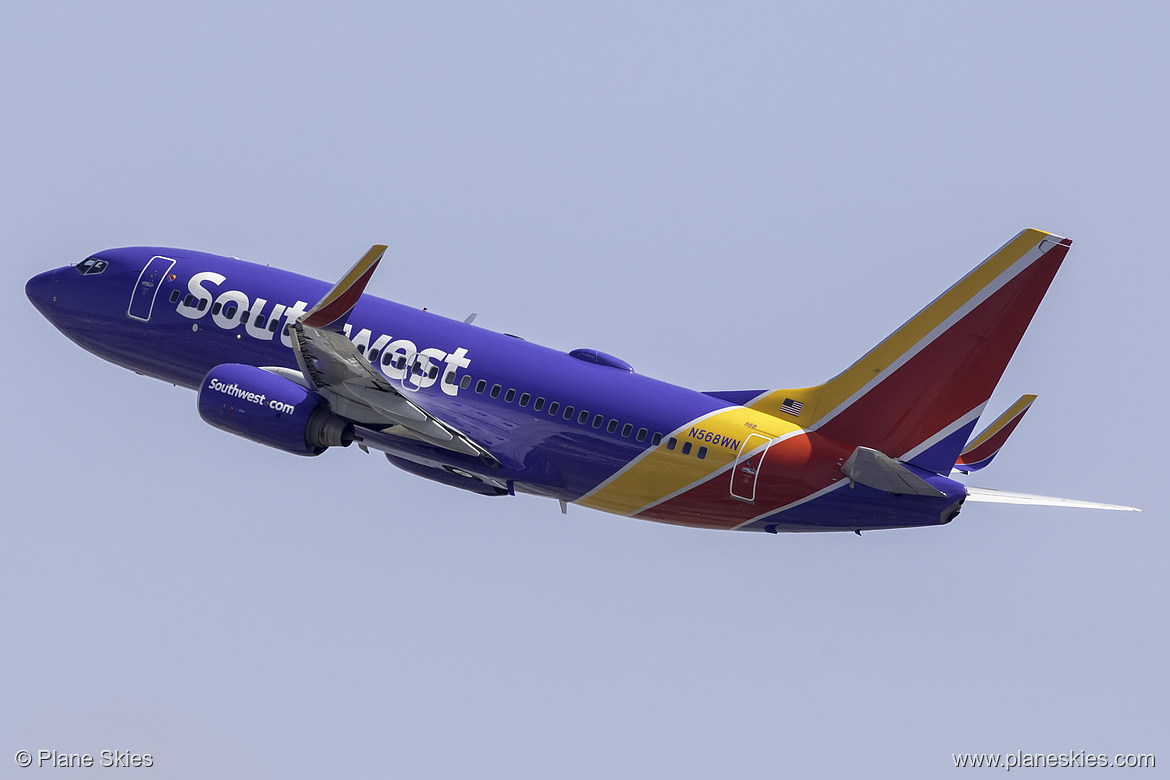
<point x="287" y="327"/>
<point x="465" y="382"/>
<point x="656" y="439"/>
<point x="260" y="320"/>
<point x="597" y="421"/>
<point x="524" y="399"/>
<point x="434" y="372"/>
<point x="627" y="429"/>
<point x="670" y="443"/>
<point x="612" y="426"/>
<point x="508" y="396"/>
<point x="583" y="417"/>
<point x="373" y="356"/>
<point x="553" y="407"/>
<point x="215" y="309"/>
<point x="273" y="325"/>
<point x="568" y="415"/>
<point x="536" y="407"/>
<point x="702" y="452"/>
<point x="361" y="347"/>
<point x="175" y="296"/>
<point x="189" y="300"/>
<point x="686" y="450"/>
<point x="229" y="311"/>
<point x="642" y="434"/>
<point x="496" y="391"/>
<point x="449" y="378"/>
<point x="244" y="317"/>
<point x="480" y="385"/>
<point x="202" y="304"/>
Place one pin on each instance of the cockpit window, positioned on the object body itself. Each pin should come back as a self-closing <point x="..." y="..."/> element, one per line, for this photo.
<point x="91" y="265"/>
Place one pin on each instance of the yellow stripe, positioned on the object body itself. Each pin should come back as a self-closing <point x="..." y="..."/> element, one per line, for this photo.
<point x="819" y="401"/>
<point x="662" y="472"/>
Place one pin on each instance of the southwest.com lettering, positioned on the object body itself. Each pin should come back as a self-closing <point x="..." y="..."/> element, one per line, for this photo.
<point x="235" y="391"/>
<point x="1082" y="758"/>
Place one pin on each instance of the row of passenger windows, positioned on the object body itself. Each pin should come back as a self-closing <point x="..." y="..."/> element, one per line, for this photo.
<point x="568" y="412"/>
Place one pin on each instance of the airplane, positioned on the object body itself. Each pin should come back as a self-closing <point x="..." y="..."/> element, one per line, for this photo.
<point x="290" y="362"/>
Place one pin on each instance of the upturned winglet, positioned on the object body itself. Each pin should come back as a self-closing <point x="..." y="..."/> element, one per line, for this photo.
<point x="332" y="310"/>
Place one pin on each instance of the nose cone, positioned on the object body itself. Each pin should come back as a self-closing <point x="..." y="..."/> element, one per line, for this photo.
<point x="42" y="290"/>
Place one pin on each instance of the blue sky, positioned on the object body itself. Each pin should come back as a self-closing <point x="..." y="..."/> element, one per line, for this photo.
<point x="727" y="196"/>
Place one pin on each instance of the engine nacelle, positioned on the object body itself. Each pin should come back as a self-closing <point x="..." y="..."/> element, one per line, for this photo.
<point x="270" y="409"/>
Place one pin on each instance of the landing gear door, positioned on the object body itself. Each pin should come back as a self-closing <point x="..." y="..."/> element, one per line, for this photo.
<point x="746" y="471"/>
<point x="145" y="290"/>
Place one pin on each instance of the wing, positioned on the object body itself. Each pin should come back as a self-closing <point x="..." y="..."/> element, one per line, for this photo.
<point x="332" y="366"/>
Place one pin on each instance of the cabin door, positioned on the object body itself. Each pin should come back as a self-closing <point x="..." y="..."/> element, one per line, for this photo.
<point x="746" y="471"/>
<point x="145" y="290"/>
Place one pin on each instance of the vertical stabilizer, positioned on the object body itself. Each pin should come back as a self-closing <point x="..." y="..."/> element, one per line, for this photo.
<point x="918" y="394"/>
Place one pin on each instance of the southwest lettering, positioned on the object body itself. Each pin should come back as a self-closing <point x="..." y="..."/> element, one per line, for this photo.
<point x="228" y="311"/>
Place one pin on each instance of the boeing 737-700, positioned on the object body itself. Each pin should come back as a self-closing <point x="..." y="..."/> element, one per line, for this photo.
<point x="287" y="361"/>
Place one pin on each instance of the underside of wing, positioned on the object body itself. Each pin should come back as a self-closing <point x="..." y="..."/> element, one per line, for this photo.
<point x="331" y="364"/>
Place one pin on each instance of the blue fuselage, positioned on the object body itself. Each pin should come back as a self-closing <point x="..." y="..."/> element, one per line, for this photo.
<point x="558" y="425"/>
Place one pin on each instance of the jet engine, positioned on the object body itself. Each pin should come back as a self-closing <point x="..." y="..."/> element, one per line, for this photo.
<point x="269" y="409"/>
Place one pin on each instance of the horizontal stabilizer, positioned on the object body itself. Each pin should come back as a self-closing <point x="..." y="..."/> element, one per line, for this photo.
<point x="989" y="496"/>
<point x="881" y="472"/>
<point x="979" y="453"/>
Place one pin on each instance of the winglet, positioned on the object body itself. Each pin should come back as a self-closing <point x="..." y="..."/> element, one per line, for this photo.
<point x="985" y="446"/>
<point x="339" y="302"/>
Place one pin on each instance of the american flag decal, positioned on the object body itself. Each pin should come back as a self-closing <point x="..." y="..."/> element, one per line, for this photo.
<point x="791" y="407"/>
